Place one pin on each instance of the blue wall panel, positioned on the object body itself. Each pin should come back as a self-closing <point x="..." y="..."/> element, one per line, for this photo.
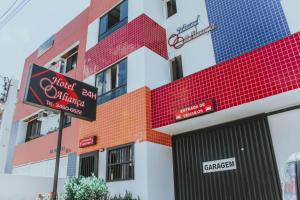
<point x="71" y="169"/>
<point x="244" y="25"/>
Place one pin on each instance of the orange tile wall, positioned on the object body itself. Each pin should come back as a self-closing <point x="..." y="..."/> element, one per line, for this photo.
<point x="123" y="120"/>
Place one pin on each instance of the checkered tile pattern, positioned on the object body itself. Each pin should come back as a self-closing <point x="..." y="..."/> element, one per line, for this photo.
<point x="244" y="25"/>
<point x="264" y="72"/>
<point x="140" y="32"/>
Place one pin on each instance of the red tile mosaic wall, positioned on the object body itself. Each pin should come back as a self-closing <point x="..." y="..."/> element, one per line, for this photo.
<point x="264" y="72"/>
<point x="138" y="33"/>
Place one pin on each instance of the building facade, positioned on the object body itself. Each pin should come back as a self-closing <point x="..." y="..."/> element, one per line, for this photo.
<point x="197" y="99"/>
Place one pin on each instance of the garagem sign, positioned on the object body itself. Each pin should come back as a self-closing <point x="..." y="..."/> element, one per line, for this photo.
<point x="51" y="90"/>
<point x="219" y="165"/>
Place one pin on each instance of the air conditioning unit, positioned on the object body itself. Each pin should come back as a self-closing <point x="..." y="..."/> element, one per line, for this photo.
<point x="42" y="114"/>
<point x="58" y="66"/>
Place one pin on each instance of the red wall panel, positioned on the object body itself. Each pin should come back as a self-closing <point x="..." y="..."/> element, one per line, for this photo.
<point x="264" y="72"/>
<point x="138" y="33"/>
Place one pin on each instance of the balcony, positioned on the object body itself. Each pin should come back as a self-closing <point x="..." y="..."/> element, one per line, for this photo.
<point x="264" y="72"/>
<point x="141" y="32"/>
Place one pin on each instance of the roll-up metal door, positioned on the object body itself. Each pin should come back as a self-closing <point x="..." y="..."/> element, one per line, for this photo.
<point x="247" y="141"/>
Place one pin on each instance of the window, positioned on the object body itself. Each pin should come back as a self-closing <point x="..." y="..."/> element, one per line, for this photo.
<point x="113" y="20"/>
<point x="171" y="8"/>
<point x="176" y="68"/>
<point x="112" y="82"/>
<point x="88" y="164"/>
<point x="70" y="61"/>
<point x="33" y="130"/>
<point x="67" y="121"/>
<point x="120" y="163"/>
<point x="46" y="46"/>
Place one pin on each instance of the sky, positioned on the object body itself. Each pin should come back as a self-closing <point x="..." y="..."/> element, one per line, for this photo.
<point x="33" y="25"/>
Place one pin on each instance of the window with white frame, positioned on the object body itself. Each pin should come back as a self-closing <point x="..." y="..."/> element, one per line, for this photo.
<point x="70" y="61"/>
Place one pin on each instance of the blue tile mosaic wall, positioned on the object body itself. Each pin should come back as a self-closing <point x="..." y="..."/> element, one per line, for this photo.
<point x="244" y="25"/>
<point x="71" y="169"/>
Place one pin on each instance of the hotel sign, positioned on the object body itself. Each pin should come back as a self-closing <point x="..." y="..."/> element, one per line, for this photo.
<point x="177" y="40"/>
<point x="86" y="142"/>
<point x="51" y="90"/>
<point x="219" y="165"/>
<point x="195" y="110"/>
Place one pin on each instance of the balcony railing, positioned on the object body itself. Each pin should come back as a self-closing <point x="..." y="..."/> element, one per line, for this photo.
<point x="119" y="91"/>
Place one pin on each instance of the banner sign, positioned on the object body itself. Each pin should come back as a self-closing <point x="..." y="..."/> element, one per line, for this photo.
<point x="195" y="110"/>
<point x="177" y="40"/>
<point x="51" y="90"/>
<point x="219" y="165"/>
<point x="86" y="142"/>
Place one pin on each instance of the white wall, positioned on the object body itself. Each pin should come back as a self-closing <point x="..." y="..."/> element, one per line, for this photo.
<point x="160" y="172"/>
<point x="153" y="173"/>
<point x="92" y="34"/>
<point x="26" y="188"/>
<point x="146" y="68"/>
<point x="6" y="123"/>
<point x="291" y="11"/>
<point x="285" y="135"/>
<point x="43" y="168"/>
<point x="197" y="54"/>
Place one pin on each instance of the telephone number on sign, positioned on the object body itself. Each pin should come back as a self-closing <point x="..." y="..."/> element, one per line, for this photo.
<point x="72" y="110"/>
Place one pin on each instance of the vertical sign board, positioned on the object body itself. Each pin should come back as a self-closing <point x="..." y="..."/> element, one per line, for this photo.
<point x="51" y="90"/>
<point x="47" y="89"/>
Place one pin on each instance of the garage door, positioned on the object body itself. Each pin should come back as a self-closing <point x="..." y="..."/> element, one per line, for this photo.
<point x="234" y="161"/>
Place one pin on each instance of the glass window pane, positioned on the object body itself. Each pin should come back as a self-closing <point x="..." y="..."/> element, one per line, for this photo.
<point x="176" y="68"/>
<point x="122" y="76"/>
<point x="100" y="83"/>
<point x="171" y="7"/>
<point x="114" y="72"/>
<point x="103" y="24"/>
<point x="120" y="168"/>
<point x="290" y="185"/>
<point x="114" y="17"/>
<point x="124" y="10"/>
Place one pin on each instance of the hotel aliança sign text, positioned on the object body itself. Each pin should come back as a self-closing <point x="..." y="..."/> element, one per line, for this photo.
<point x="177" y="40"/>
<point x="51" y="90"/>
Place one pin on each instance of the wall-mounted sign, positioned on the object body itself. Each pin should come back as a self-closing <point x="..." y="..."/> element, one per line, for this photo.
<point x="89" y="141"/>
<point x="219" y="165"/>
<point x="195" y="110"/>
<point x="63" y="148"/>
<point x="51" y="90"/>
<point x="177" y="40"/>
